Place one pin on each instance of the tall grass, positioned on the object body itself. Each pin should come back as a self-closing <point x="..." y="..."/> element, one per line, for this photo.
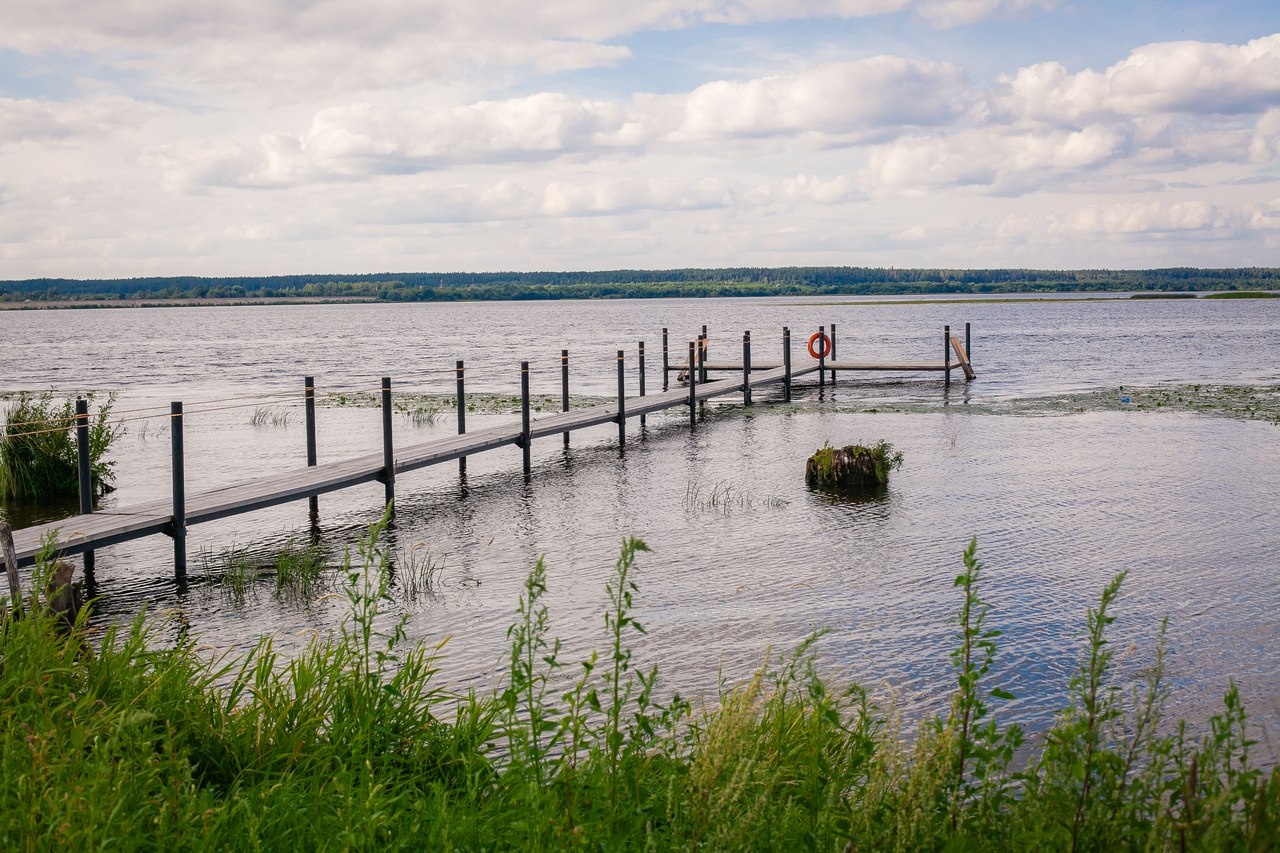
<point x="353" y="744"/>
<point x="38" y="448"/>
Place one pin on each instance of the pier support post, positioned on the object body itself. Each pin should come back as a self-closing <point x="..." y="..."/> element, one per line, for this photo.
<point x="666" y="359"/>
<point x="946" y="356"/>
<point x="461" y="403"/>
<point x="309" y="399"/>
<point x="786" y="364"/>
<point x="968" y="352"/>
<point x="702" y="358"/>
<point x="525" y="438"/>
<point x="833" y="355"/>
<point x="822" y="359"/>
<point x="642" y="379"/>
<point x="746" y="368"/>
<point x="83" y="469"/>
<point x="622" y="401"/>
<point x="388" y="449"/>
<point x="693" y="382"/>
<point x="564" y="387"/>
<point x="178" y="524"/>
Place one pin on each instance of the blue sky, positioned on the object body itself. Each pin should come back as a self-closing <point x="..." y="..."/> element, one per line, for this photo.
<point x="344" y="136"/>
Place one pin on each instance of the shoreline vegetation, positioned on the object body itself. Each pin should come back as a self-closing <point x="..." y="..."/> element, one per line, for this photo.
<point x="111" y="739"/>
<point x="1173" y="283"/>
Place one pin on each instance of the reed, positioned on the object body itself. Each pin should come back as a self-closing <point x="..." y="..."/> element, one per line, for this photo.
<point x="353" y="743"/>
<point x="38" y="448"/>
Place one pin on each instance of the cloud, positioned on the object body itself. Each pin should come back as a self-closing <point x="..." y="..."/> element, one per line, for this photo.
<point x="27" y="120"/>
<point x="1185" y="77"/>
<point x="1264" y="145"/>
<point x="833" y="98"/>
<point x="954" y="13"/>
<point x="1146" y="220"/>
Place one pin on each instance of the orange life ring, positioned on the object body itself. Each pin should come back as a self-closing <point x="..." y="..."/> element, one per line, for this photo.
<point x="826" y="345"/>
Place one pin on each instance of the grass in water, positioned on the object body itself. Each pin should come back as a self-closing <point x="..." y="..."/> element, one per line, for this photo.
<point x="38" y="448"/>
<point x="354" y="744"/>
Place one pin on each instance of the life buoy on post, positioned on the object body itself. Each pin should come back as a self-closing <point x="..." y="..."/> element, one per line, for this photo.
<point x="826" y="345"/>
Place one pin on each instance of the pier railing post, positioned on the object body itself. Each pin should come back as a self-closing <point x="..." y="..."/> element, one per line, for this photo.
<point x="746" y="368"/>
<point x="178" y="524"/>
<point x="525" y="437"/>
<point x="461" y="402"/>
<point x="822" y="358"/>
<point x="622" y="400"/>
<point x="833" y="354"/>
<point x="702" y="358"/>
<point x="388" y="448"/>
<point x="642" y="377"/>
<point x="84" y="469"/>
<point x="693" y="382"/>
<point x="946" y="356"/>
<point x="309" y="398"/>
<point x="564" y="387"/>
<point x="786" y="364"/>
<point x="666" y="359"/>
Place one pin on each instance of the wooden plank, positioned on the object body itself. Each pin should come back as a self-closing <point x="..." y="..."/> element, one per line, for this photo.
<point x="887" y="367"/>
<point x="963" y="357"/>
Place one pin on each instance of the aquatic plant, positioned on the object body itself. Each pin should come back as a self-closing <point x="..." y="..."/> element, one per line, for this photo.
<point x="354" y="744"/>
<point x="38" y="448"/>
<point x="270" y="416"/>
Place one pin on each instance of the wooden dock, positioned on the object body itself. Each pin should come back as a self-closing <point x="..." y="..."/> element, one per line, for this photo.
<point x="82" y="534"/>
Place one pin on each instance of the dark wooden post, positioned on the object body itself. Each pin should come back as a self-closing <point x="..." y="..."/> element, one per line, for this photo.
<point x="309" y="398"/>
<point x="946" y="356"/>
<point x="84" y="469"/>
<point x="833" y="354"/>
<point x="525" y="438"/>
<point x="178" y="524"/>
<point x="564" y="387"/>
<point x="693" y="382"/>
<point x="388" y="449"/>
<point x="11" y="566"/>
<point x="786" y="364"/>
<point x="746" y="368"/>
<point x="822" y="358"/>
<point x="702" y="360"/>
<point x="642" y="378"/>
<point x="461" y="402"/>
<point x="968" y="352"/>
<point x="622" y="401"/>
<point x="666" y="359"/>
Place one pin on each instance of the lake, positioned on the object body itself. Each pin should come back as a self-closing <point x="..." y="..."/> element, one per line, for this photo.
<point x="1063" y="483"/>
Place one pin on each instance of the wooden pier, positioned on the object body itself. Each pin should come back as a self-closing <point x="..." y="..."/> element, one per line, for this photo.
<point x="82" y="534"/>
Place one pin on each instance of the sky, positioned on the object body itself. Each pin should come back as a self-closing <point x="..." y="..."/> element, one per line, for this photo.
<point x="261" y="137"/>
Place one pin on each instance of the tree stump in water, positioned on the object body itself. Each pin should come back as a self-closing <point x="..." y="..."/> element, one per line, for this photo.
<point x="63" y="596"/>
<point x="852" y="468"/>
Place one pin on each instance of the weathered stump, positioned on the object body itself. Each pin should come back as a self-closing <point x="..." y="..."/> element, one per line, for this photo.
<point x="852" y="468"/>
<point x="63" y="597"/>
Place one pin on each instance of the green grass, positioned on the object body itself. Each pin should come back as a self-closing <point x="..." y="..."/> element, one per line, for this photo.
<point x="38" y="448"/>
<point x="353" y="744"/>
<point x="1244" y="294"/>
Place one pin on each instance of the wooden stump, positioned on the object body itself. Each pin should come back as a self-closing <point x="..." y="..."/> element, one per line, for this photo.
<point x="852" y="468"/>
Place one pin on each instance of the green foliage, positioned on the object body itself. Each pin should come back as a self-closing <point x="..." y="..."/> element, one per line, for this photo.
<point x="38" y="448"/>
<point x="352" y="744"/>
<point x="633" y="284"/>
<point x="852" y="466"/>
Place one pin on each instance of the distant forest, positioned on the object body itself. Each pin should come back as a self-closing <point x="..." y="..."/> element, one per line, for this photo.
<point x="641" y="284"/>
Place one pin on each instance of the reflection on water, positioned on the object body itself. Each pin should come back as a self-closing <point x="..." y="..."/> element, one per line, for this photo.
<point x="744" y="556"/>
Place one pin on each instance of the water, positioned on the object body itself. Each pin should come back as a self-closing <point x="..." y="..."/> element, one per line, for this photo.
<point x="1185" y="503"/>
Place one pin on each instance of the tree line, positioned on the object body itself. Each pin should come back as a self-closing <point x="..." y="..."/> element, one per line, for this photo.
<point x="638" y="284"/>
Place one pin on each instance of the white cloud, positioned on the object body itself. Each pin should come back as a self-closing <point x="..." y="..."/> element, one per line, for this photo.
<point x="29" y="121"/>
<point x="868" y="95"/>
<point x="1184" y="77"/>
<point x="1264" y="146"/>
<point x="954" y="13"/>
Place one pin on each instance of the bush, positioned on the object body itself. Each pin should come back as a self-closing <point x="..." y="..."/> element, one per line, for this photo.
<point x="38" y="448"/>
